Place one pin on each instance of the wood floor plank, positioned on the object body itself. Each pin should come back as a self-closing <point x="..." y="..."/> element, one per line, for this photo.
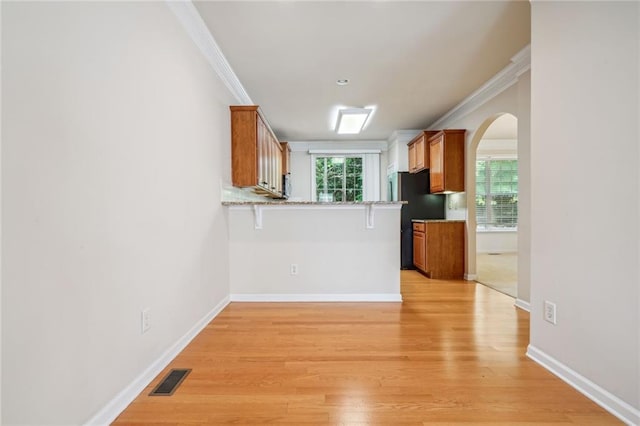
<point x="452" y="353"/>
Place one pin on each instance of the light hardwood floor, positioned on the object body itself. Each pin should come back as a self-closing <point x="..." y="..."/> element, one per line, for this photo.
<point x="452" y="353"/>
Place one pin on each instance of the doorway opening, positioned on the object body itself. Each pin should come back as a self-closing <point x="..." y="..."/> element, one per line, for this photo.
<point x="496" y="205"/>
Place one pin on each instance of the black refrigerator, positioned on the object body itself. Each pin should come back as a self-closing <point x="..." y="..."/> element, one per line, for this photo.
<point x="413" y="188"/>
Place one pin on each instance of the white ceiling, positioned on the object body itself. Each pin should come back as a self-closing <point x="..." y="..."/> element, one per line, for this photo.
<point x="413" y="60"/>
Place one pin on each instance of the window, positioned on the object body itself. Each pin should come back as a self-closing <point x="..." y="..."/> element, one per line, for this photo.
<point x="497" y="193"/>
<point x="338" y="178"/>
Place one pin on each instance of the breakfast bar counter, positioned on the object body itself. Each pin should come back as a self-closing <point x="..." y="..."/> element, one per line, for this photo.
<point x="314" y="251"/>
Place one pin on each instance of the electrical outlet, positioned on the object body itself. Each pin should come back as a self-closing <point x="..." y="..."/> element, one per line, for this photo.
<point x="550" y="312"/>
<point x="146" y="320"/>
<point x="294" y="269"/>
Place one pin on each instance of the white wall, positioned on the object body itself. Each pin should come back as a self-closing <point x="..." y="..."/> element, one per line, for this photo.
<point x="497" y="148"/>
<point x="301" y="163"/>
<point x="525" y="184"/>
<point x="300" y="175"/>
<point x="497" y="242"/>
<point x="335" y="253"/>
<point x="514" y="100"/>
<point x="584" y="115"/>
<point x="398" y="151"/>
<point x="115" y="138"/>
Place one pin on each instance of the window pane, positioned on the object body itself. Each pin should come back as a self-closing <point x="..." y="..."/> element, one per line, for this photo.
<point x="339" y="177"/>
<point x="497" y="193"/>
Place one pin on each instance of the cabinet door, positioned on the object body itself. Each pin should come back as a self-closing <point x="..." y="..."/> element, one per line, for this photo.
<point x="412" y="158"/>
<point x="286" y="158"/>
<point x="262" y="153"/>
<point x="276" y="157"/>
<point x="420" y="148"/>
<point x="436" y="164"/>
<point x="271" y="165"/>
<point x="279" y="165"/>
<point x="419" y="258"/>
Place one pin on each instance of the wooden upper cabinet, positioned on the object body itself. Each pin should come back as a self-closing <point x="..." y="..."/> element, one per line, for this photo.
<point x="419" y="151"/>
<point x="446" y="161"/>
<point x="412" y="158"/>
<point x="436" y="164"/>
<point x="256" y="154"/>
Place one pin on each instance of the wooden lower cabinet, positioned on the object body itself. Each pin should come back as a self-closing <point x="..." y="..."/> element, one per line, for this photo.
<point x="419" y="259"/>
<point x="438" y="249"/>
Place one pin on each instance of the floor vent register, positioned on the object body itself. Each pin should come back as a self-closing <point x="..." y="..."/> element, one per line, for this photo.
<point x="170" y="383"/>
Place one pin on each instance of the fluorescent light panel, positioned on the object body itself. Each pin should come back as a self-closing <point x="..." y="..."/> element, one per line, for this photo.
<point x="351" y="120"/>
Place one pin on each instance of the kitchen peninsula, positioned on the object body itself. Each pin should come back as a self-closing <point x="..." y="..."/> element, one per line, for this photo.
<point x="314" y="251"/>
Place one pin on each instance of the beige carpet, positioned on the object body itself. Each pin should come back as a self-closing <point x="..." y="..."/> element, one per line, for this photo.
<point x="498" y="271"/>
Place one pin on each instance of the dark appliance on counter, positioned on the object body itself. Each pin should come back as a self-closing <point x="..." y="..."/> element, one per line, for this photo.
<point x="413" y="188"/>
<point x="286" y="185"/>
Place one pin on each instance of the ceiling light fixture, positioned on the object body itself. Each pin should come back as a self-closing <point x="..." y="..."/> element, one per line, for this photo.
<point x="342" y="82"/>
<point x="352" y="120"/>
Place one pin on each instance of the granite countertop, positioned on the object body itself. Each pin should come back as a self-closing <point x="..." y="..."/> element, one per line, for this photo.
<point x="310" y="203"/>
<point x="435" y="220"/>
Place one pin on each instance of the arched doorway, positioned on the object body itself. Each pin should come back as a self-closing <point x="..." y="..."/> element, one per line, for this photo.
<point x="493" y="203"/>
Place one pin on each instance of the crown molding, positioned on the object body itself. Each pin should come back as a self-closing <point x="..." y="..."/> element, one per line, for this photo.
<point x="192" y="22"/>
<point x="508" y="76"/>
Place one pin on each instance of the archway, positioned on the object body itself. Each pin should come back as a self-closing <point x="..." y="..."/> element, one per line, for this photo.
<point x="492" y="195"/>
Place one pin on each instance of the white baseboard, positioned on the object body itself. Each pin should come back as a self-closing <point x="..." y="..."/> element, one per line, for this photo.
<point x="525" y="306"/>
<point x="379" y="297"/>
<point x="600" y="396"/>
<point x="470" y="277"/>
<point x="121" y="401"/>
